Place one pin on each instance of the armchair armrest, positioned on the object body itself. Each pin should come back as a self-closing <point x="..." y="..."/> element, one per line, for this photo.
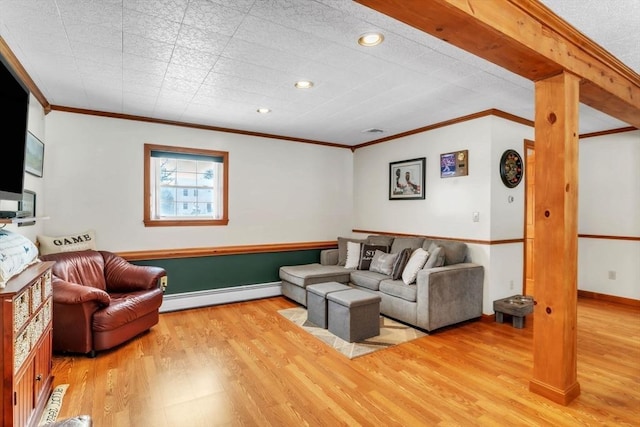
<point x="72" y="293"/>
<point x="449" y="294"/>
<point x="73" y="308"/>
<point x="329" y="257"/>
<point x="122" y="276"/>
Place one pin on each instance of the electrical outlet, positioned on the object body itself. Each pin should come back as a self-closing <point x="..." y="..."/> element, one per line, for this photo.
<point x="612" y="275"/>
<point x="476" y="217"/>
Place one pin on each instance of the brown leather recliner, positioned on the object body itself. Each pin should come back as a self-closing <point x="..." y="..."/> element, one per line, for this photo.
<point x="100" y="300"/>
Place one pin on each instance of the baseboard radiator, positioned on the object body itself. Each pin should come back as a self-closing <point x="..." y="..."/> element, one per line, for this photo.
<point x="187" y="300"/>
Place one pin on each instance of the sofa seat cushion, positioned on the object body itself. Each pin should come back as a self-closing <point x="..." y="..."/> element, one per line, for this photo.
<point x="367" y="279"/>
<point x="309" y="274"/>
<point x="397" y="288"/>
<point x="125" y="308"/>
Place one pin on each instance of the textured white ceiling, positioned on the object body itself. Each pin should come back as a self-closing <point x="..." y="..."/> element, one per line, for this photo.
<point x="214" y="62"/>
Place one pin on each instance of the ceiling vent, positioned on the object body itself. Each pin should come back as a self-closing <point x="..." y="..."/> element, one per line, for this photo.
<point x="372" y="130"/>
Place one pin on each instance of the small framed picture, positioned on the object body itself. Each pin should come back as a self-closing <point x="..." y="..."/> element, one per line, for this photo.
<point x="454" y="164"/>
<point x="28" y="204"/>
<point x="34" y="155"/>
<point x="407" y="179"/>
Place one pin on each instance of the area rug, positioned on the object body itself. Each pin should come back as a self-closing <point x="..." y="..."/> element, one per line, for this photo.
<point x="391" y="333"/>
<point x="51" y="411"/>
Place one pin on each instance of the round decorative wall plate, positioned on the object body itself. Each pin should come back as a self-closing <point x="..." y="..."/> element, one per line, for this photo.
<point x="511" y="168"/>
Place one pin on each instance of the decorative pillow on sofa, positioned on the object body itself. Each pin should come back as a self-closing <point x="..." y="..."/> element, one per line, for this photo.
<point x="382" y="262"/>
<point x="70" y="243"/>
<point x="16" y="253"/>
<point x="353" y="255"/>
<point x="342" y="248"/>
<point x="366" y="255"/>
<point x="415" y="264"/>
<point x="436" y="256"/>
<point x="400" y="263"/>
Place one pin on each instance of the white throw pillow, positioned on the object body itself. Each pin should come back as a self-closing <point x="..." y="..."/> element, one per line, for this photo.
<point x="70" y="243"/>
<point x="416" y="262"/>
<point x="353" y="255"/>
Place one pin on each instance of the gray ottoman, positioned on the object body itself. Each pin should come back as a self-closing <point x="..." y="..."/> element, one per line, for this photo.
<point x="354" y="315"/>
<point x="295" y="278"/>
<point x="317" y="301"/>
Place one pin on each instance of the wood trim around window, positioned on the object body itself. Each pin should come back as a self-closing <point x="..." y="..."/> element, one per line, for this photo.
<point x="150" y="222"/>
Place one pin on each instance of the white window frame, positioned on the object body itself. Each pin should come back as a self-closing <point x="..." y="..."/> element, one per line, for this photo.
<point x="220" y="214"/>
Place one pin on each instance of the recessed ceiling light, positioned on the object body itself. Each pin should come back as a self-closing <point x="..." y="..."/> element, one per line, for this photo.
<point x="304" y="84"/>
<point x="370" y="39"/>
<point x="263" y="110"/>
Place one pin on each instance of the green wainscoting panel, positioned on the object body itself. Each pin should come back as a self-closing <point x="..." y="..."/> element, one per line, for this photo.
<point x="225" y="271"/>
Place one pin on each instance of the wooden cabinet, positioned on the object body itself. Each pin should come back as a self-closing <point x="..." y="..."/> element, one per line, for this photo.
<point x="26" y="309"/>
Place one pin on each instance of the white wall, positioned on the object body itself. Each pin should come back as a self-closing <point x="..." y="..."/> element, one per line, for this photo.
<point x="609" y="205"/>
<point x="279" y="191"/>
<point x="289" y="192"/>
<point x="447" y="210"/>
<point x="449" y="202"/>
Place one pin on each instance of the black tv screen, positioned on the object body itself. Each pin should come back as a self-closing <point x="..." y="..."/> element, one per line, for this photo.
<point x="14" y="97"/>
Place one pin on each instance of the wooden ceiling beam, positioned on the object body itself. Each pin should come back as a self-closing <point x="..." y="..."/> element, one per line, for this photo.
<point x="526" y="38"/>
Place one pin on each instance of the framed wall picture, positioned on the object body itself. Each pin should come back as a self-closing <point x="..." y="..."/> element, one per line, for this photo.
<point x="28" y="203"/>
<point x="34" y="155"/>
<point x="454" y="164"/>
<point x="407" y="179"/>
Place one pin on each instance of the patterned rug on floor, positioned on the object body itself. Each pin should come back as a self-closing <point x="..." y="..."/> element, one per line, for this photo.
<point x="391" y="333"/>
<point x="51" y="411"/>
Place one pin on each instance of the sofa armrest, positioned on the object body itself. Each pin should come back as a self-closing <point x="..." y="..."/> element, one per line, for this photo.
<point x="329" y="257"/>
<point x="122" y="276"/>
<point x="449" y="294"/>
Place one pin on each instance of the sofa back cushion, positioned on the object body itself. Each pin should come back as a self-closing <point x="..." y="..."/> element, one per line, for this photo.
<point x="454" y="252"/>
<point x="382" y="240"/>
<point x="81" y="267"/>
<point x="400" y="243"/>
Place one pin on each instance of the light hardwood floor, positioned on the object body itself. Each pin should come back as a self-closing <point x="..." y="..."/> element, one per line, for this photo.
<point x="243" y="364"/>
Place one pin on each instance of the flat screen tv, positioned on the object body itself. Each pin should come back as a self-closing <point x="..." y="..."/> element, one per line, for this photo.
<point x="14" y="97"/>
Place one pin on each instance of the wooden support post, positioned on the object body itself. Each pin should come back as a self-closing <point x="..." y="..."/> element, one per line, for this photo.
<point x="556" y="243"/>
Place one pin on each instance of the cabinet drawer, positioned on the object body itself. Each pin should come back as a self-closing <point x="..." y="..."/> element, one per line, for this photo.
<point x="47" y="310"/>
<point x="21" y="348"/>
<point x="36" y="326"/>
<point x="36" y="295"/>
<point x="21" y="307"/>
<point x="48" y="289"/>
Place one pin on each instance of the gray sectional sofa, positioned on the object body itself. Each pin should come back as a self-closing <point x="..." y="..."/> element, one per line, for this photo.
<point x="440" y="296"/>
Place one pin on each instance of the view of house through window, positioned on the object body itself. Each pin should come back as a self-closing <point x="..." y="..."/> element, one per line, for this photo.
<point x="185" y="186"/>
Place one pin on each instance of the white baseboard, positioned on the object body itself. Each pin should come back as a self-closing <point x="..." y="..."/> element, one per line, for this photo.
<point x="183" y="301"/>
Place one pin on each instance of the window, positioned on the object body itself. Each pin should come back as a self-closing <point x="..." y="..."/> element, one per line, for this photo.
<point x="185" y="186"/>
